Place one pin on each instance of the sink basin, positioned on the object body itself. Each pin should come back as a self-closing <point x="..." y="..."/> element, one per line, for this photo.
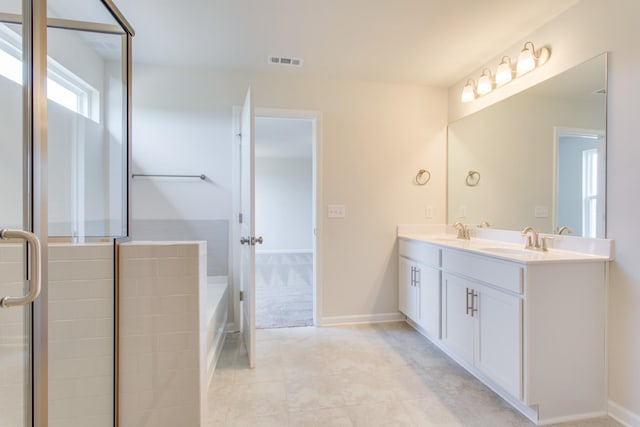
<point x="445" y="239"/>
<point x="510" y="251"/>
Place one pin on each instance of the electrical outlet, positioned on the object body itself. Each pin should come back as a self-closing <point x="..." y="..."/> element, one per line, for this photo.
<point x="336" y="211"/>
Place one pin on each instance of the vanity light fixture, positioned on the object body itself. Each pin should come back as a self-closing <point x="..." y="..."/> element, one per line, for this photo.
<point x="504" y="73"/>
<point x="485" y="83"/>
<point x="469" y="91"/>
<point x="530" y="59"/>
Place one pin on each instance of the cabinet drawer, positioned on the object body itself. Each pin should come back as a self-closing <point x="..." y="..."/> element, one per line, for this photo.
<point x="503" y="274"/>
<point x="420" y="252"/>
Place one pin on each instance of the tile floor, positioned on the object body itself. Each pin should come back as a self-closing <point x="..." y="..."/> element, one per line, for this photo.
<point x="370" y="375"/>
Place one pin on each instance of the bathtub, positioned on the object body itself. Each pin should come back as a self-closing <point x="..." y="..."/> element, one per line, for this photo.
<point x="217" y="314"/>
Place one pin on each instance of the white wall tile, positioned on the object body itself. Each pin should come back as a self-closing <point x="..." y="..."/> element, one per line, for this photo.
<point x="160" y="333"/>
<point x="81" y="309"/>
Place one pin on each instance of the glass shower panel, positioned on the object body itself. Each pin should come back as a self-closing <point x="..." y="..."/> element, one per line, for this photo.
<point x="86" y="94"/>
<point x="15" y="322"/>
<point x="87" y="149"/>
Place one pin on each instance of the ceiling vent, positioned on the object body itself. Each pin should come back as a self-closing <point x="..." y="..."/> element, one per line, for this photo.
<point x="285" y="60"/>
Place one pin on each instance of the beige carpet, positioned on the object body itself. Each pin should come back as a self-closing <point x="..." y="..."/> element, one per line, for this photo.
<point x="284" y="290"/>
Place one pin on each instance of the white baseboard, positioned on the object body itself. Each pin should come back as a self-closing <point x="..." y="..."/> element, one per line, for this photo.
<point x="360" y="318"/>
<point x="283" y="251"/>
<point x="623" y="415"/>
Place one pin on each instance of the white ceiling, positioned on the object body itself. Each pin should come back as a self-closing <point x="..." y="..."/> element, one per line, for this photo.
<point x="283" y="137"/>
<point x="429" y="42"/>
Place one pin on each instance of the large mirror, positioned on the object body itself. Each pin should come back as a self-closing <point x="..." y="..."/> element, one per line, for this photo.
<point x="536" y="158"/>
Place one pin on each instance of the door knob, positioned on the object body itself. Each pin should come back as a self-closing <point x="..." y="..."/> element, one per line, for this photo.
<point x="245" y="241"/>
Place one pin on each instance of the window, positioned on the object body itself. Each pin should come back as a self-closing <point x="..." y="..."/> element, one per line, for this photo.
<point x="589" y="192"/>
<point x="63" y="86"/>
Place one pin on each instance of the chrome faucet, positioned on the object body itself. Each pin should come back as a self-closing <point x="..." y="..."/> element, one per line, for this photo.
<point x="463" y="231"/>
<point x="532" y="238"/>
<point x="563" y="229"/>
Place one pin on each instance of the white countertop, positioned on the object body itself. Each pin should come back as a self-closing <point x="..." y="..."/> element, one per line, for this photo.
<point x="501" y="244"/>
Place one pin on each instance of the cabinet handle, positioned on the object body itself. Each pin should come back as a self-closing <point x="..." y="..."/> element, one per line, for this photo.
<point x="413" y="275"/>
<point x="469" y="293"/>
<point x="417" y="277"/>
<point x="474" y="295"/>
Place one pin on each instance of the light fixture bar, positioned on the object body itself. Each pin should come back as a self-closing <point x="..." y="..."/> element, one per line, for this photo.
<point x="529" y="59"/>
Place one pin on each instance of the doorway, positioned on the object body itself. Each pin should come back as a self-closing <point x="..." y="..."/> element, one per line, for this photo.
<point x="236" y="232"/>
<point x="284" y="195"/>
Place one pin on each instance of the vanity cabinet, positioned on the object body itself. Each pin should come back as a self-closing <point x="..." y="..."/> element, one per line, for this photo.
<point x="482" y="316"/>
<point x="419" y="285"/>
<point x="482" y="326"/>
<point x="531" y="326"/>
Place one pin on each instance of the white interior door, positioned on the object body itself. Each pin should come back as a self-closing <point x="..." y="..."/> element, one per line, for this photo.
<point x="247" y="229"/>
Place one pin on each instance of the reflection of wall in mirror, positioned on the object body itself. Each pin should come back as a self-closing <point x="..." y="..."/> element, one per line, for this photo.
<point x="512" y="145"/>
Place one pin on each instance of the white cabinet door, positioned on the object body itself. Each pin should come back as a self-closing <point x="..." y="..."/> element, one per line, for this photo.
<point x="457" y="324"/>
<point x="498" y="337"/>
<point x="429" y="299"/>
<point x="407" y="301"/>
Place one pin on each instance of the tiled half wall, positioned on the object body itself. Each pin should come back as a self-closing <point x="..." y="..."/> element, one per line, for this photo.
<point x="163" y="360"/>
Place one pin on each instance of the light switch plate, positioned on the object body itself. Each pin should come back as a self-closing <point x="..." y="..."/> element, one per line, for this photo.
<point x="336" y="211"/>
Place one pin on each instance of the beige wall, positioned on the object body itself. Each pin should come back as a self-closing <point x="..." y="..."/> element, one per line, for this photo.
<point x="375" y="137"/>
<point x="590" y="28"/>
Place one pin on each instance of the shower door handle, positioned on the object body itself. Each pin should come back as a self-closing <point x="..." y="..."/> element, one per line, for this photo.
<point x="36" y="267"/>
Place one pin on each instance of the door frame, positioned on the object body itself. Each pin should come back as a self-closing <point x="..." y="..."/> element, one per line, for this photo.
<point x="317" y="220"/>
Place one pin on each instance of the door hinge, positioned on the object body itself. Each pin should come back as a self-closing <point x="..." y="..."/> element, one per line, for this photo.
<point x="241" y="296"/>
<point x="240" y="218"/>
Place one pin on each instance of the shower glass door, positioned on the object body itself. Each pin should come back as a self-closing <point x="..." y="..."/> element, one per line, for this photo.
<point x="64" y="144"/>
<point x="15" y="322"/>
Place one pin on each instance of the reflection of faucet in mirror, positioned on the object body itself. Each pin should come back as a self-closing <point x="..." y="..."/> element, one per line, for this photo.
<point x="563" y="229"/>
<point x="532" y="238"/>
<point x="463" y="231"/>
